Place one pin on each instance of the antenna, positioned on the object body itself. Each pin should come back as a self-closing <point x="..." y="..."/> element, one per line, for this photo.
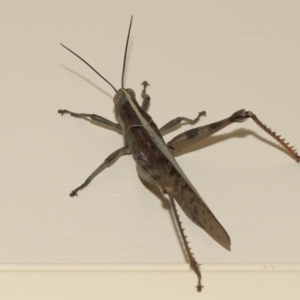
<point x="124" y="62"/>
<point x="91" y="66"/>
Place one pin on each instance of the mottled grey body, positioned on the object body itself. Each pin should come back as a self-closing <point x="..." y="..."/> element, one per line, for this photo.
<point x="156" y="164"/>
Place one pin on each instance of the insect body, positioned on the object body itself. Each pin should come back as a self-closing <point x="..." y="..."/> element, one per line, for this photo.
<point x="155" y="159"/>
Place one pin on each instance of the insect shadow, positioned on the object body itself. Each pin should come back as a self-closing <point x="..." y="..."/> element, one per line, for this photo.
<point x="238" y="133"/>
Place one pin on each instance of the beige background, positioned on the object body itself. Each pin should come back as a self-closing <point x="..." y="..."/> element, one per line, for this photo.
<point x="197" y="55"/>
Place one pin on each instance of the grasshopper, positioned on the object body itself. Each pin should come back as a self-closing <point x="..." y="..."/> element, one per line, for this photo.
<point x="155" y="160"/>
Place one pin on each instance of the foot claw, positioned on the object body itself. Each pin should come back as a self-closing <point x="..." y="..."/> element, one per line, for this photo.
<point x="74" y="193"/>
<point x="145" y="84"/>
<point x="62" y="111"/>
<point x="202" y="113"/>
<point x="199" y="288"/>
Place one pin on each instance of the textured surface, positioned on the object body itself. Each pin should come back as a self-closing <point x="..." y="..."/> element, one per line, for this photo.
<point x="217" y="57"/>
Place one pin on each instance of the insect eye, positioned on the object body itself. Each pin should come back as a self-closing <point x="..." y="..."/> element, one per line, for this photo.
<point x="117" y="97"/>
<point x="131" y="92"/>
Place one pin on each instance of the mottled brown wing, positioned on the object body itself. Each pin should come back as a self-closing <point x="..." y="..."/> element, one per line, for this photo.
<point x="197" y="210"/>
<point x="168" y="177"/>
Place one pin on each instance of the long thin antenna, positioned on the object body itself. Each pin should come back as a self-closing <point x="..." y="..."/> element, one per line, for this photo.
<point x="124" y="62"/>
<point x="90" y="67"/>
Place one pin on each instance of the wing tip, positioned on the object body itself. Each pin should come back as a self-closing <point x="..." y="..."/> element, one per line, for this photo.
<point x="227" y="247"/>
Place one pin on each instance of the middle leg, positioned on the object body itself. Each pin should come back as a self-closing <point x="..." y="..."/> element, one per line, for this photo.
<point x="107" y="162"/>
<point x="178" y="120"/>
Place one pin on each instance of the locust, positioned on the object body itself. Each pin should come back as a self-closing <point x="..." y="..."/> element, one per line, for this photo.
<point x="154" y="158"/>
